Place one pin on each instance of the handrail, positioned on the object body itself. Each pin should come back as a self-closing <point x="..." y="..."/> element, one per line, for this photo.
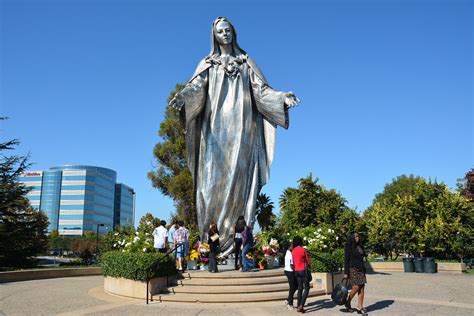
<point x="332" y="263"/>
<point x="156" y="267"/>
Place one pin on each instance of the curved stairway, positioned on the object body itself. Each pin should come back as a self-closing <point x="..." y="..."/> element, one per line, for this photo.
<point x="230" y="287"/>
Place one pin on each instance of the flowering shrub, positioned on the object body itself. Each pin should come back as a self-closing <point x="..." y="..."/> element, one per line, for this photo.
<point x="322" y="239"/>
<point x="129" y="240"/>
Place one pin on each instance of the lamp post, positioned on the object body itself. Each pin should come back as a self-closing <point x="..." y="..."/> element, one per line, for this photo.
<point x="97" y="239"/>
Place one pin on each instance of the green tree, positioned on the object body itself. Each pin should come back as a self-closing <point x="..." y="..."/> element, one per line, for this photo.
<point x="58" y="242"/>
<point x="264" y="212"/>
<point x="311" y="204"/>
<point x="22" y="228"/>
<point x="425" y="218"/>
<point x="171" y="175"/>
<point x="148" y="223"/>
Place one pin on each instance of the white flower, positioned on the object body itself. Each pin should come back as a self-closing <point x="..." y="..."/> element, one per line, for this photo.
<point x="136" y="239"/>
<point x="144" y="249"/>
<point x="305" y="247"/>
<point x="329" y="230"/>
<point x="337" y="237"/>
<point x="304" y="238"/>
<point x="148" y="223"/>
<point x="315" y="233"/>
<point x="147" y="234"/>
<point x="288" y="234"/>
<point x="324" y="246"/>
<point x="123" y="250"/>
<point x="136" y="233"/>
<point x="116" y="234"/>
<point x="319" y="230"/>
<point x="128" y="244"/>
<point x="115" y="245"/>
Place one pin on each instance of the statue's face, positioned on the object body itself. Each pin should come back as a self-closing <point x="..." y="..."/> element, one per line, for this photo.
<point x="223" y="33"/>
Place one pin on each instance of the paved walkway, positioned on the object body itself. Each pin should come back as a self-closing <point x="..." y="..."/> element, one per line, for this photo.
<point x="386" y="294"/>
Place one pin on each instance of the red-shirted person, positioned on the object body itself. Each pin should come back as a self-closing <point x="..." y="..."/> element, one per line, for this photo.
<point x="301" y="261"/>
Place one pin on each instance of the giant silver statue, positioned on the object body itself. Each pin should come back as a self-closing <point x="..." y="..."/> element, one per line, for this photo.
<point x="231" y="118"/>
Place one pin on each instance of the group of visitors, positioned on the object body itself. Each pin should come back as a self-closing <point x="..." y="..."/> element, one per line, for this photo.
<point x="176" y="238"/>
<point x="298" y="272"/>
<point x="297" y="263"/>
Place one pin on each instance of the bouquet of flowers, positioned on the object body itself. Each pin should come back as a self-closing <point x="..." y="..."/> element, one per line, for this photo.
<point x="193" y="255"/>
<point x="272" y="248"/>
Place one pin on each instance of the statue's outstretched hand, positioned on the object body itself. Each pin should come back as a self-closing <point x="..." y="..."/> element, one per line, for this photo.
<point x="176" y="103"/>
<point x="291" y="100"/>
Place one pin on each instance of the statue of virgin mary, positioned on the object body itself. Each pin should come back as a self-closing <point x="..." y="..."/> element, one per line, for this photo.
<point x="231" y="117"/>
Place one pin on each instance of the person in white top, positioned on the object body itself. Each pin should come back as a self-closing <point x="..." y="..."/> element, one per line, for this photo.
<point x="160" y="236"/>
<point x="290" y="274"/>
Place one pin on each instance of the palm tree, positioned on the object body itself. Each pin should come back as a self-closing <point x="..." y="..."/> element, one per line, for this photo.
<point x="264" y="212"/>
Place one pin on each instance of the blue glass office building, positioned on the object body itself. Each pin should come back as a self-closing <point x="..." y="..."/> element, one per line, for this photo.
<point x="77" y="198"/>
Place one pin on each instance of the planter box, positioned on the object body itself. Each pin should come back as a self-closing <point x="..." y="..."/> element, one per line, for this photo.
<point x="323" y="281"/>
<point x="443" y="267"/>
<point x="137" y="289"/>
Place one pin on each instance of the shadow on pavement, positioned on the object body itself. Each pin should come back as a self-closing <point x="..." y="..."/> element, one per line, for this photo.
<point x="327" y="304"/>
<point x="380" y="273"/>
<point x="319" y="304"/>
<point x="379" y="305"/>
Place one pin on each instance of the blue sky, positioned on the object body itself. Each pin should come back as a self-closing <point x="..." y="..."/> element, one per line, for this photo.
<point x="386" y="86"/>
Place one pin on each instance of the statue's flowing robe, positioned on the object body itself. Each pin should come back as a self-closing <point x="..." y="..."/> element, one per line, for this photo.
<point x="230" y="136"/>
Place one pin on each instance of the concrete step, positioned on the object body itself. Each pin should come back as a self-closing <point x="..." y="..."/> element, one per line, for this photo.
<point x="233" y="281"/>
<point x="229" y="298"/>
<point x="231" y="289"/>
<point x="233" y="274"/>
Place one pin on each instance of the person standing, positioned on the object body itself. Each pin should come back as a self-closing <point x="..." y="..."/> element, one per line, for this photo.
<point x="170" y="235"/>
<point x="354" y="270"/>
<point x="213" y="241"/>
<point x="247" y="243"/>
<point x="238" y="230"/>
<point x="301" y="262"/>
<point x="290" y="274"/>
<point x="181" y="237"/>
<point x="159" y="237"/>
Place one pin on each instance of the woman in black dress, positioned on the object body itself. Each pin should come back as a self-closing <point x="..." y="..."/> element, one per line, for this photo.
<point x="354" y="270"/>
<point x="213" y="242"/>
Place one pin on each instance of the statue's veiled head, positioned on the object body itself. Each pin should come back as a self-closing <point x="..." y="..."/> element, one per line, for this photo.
<point x="223" y="33"/>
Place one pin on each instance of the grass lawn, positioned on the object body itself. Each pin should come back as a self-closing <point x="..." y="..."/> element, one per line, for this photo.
<point x="470" y="271"/>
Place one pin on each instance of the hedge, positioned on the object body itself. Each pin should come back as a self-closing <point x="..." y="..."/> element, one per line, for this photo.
<point x="136" y="266"/>
<point x="324" y="265"/>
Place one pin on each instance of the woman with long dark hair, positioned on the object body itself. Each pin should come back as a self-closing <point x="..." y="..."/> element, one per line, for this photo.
<point x="301" y="263"/>
<point x="354" y="270"/>
<point x="213" y="242"/>
<point x="238" y="230"/>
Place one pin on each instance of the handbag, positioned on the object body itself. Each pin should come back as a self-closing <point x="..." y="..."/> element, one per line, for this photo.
<point x="214" y="237"/>
<point x="340" y="292"/>
<point x="307" y="271"/>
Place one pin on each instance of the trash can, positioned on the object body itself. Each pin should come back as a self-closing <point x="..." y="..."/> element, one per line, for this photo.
<point x="419" y="266"/>
<point x="408" y="265"/>
<point x="429" y="265"/>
